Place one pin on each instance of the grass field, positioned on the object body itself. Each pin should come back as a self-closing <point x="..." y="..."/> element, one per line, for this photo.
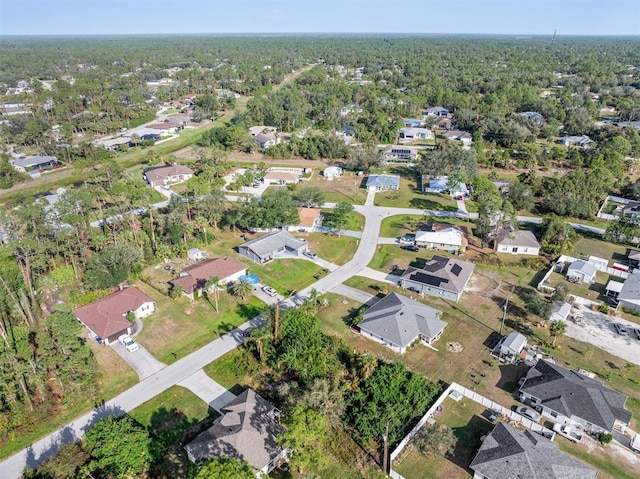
<point x="466" y="419"/>
<point x="179" y="327"/>
<point x="334" y="249"/>
<point x="347" y="189"/>
<point x="174" y="417"/>
<point x="286" y="275"/>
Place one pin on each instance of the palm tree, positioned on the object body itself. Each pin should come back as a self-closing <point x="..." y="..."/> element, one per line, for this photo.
<point x="242" y="288"/>
<point x="260" y="338"/>
<point x="213" y="285"/>
<point x="366" y="364"/>
<point x="557" y="329"/>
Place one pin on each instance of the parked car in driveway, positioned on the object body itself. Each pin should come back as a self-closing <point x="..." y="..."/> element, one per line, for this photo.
<point x="407" y="239"/>
<point x="528" y="413"/>
<point x="310" y="254"/>
<point x="637" y="331"/>
<point x="621" y="328"/>
<point x="410" y="247"/>
<point x="128" y="342"/>
<point x="635" y="443"/>
<point x="270" y="291"/>
<point x="567" y="431"/>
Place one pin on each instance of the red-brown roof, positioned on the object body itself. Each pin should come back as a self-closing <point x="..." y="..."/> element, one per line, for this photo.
<point x="198" y="274"/>
<point x="165" y="125"/>
<point x="106" y="316"/>
<point x="308" y="216"/>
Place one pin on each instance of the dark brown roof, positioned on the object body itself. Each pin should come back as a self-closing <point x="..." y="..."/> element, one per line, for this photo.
<point x="165" y="125"/>
<point x="106" y="316"/>
<point x="194" y="277"/>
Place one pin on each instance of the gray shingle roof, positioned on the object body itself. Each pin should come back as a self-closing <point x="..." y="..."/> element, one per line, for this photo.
<point x="582" y="266"/>
<point x="515" y="342"/>
<point x="508" y="453"/>
<point x="29" y="161"/>
<point x="444" y="273"/>
<point x="400" y="320"/>
<point x="573" y="394"/>
<point x="272" y="242"/>
<point x="246" y="430"/>
<point x="524" y="238"/>
<point x="631" y="288"/>
<point x="383" y="181"/>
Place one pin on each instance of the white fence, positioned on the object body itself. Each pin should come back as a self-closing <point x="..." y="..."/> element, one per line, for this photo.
<point x="614" y="199"/>
<point x="508" y="414"/>
<point x="569" y="259"/>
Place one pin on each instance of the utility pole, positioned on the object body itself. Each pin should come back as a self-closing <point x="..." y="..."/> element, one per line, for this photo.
<point x="385" y="451"/>
<point x="504" y="308"/>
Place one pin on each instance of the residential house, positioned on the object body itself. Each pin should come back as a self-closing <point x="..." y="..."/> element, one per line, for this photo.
<point x="400" y="153"/>
<point x="106" y="319"/>
<point x="581" y="271"/>
<point x="283" y="176"/>
<point x="193" y="278"/>
<point x="331" y="172"/>
<point x="26" y="164"/>
<point x="560" y="311"/>
<point x="580" y="141"/>
<point x="247" y="430"/>
<point x="517" y="242"/>
<point x="310" y="220"/>
<point x="443" y="236"/>
<point x="411" y="134"/>
<point x="167" y="175"/>
<point x="167" y="127"/>
<point x="265" y="136"/>
<point x="508" y="453"/>
<point x="510" y="348"/>
<point x="634" y="259"/>
<point x="194" y="254"/>
<point x="631" y="124"/>
<point x="437" y="111"/>
<point x="383" y="182"/>
<point x="440" y="184"/>
<point x="412" y="122"/>
<point x="629" y="295"/>
<point x="272" y="245"/>
<point x="631" y="208"/>
<point x="574" y="398"/>
<point x="532" y="115"/>
<point x="463" y="136"/>
<point x="441" y="277"/>
<point x="398" y="322"/>
<point x="142" y="134"/>
<point x="114" y="144"/>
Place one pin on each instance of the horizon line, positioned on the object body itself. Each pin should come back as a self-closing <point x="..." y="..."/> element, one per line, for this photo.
<point x="405" y="34"/>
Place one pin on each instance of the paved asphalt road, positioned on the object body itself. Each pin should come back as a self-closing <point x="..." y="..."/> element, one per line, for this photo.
<point x="182" y="369"/>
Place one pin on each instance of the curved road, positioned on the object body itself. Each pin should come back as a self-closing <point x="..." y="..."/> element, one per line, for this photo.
<point x="185" y="367"/>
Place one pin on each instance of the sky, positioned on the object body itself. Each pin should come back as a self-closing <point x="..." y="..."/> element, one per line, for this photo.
<point x="512" y="17"/>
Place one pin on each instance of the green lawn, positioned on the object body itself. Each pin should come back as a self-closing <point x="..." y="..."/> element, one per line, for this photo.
<point x="286" y="275"/>
<point x="179" y="327"/>
<point x="332" y="248"/>
<point x="468" y="423"/>
<point x="347" y="189"/>
<point x="411" y="196"/>
<point x="585" y="247"/>
<point x="609" y="466"/>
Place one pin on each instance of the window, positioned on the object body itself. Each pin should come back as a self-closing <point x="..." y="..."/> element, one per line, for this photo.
<point x="554" y="414"/>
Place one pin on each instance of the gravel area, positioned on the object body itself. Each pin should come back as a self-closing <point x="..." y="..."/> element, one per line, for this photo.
<point x="598" y="329"/>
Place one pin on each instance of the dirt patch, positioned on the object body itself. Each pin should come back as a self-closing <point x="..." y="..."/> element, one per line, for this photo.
<point x="482" y="284"/>
<point x="454" y="347"/>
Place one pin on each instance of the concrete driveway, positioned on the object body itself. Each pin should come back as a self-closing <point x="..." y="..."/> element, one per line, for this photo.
<point x="141" y="360"/>
<point x="597" y="329"/>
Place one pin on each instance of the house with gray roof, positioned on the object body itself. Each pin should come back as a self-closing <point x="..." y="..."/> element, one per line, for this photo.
<point x="574" y="398"/>
<point x="383" y="182"/>
<point x="509" y="348"/>
<point x="581" y="271"/>
<point x="437" y="111"/>
<point x="274" y="244"/>
<point x="397" y="322"/>
<point x="508" y="453"/>
<point x="247" y="430"/>
<point x="517" y="242"/>
<point x="580" y="141"/>
<point x="532" y="115"/>
<point x="560" y="311"/>
<point x="629" y="295"/>
<point x="25" y="164"/>
<point x="440" y="276"/>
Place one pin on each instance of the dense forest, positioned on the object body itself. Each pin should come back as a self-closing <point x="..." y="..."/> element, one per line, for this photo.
<point x="80" y="89"/>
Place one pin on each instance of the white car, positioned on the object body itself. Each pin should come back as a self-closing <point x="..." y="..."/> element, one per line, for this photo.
<point x="310" y="254"/>
<point x="528" y="413"/>
<point x="128" y="342"/>
<point x="635" y="443"/>
<point x="568" y="432"/>
<point x="270" y="291"/>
